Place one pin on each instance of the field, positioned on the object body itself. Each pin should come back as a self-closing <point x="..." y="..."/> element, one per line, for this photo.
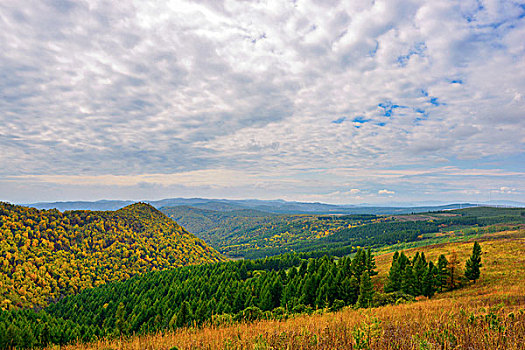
<point x="489" y="314"/>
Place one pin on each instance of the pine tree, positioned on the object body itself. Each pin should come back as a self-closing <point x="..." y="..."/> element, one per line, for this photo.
<point x="366" y="291"/>
<point x="370" y="263"/>
<point x="407" y="285"/>
<point x="394" y="276"/>
<point x="429" y="281"/>
<point x="420" y="267"/>
<point x="442" y="271"/>
<point x="309" y="291"/>
<point x="473" y="264"/>
<point x="403" y="261"/>
<point x="184" y="315"/>
<point x="120" y="323"/>
<point x="359" y="264"/>
<point x="289" y="295"/>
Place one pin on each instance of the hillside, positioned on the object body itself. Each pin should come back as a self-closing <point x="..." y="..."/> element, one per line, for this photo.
<point x="252" y="234"/>
<point x="200" y="221"/>
<point x="47" y="254"/>
<point x="486" y="315"/>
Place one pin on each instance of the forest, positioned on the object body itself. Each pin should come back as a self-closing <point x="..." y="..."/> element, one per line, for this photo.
<point x="46" y="254"/>
<point x="250" y="234"/>
<point x="223" y="293"/>
<point x="254" y="234"/>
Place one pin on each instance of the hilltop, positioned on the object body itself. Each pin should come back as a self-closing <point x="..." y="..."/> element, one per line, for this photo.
<point x="46" y="254"/>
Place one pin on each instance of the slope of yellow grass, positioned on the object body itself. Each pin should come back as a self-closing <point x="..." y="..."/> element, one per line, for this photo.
<point x="489" y="314"/>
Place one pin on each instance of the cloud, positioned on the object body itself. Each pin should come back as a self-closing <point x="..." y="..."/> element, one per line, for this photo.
<point x="93" y="89"/>
<point x="381" y="192"/>
<point x="505" y="189"/>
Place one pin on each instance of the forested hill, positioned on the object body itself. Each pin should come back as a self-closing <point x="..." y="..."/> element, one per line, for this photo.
<point x="45" y="254"/>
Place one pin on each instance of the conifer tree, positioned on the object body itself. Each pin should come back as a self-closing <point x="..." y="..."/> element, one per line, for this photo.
<point x="442" y="271"/>
<point x="420" y="267"/>
<point x="370" y="263"/>
<point x="184" y="315"/>
<point x="359" y="264"/>
<point x="407" y="286"/>
<point x="309" y="291"/>
<point x="353" y="291"/>
<point x="429" y="280"/>
<point x="366" y="291"/>
<point x="120" y="319"/>
<point x="473" y="264"/>
<point x="403" y="261"/>
<point x="394" y="276"/>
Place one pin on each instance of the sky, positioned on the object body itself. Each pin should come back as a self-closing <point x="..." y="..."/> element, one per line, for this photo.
<point x="331" y="101"/>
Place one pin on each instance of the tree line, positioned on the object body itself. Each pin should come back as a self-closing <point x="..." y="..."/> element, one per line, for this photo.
<point x="223" y="292"/>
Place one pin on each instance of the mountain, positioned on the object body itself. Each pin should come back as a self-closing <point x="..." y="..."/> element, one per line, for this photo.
<point x="269" y="206"/>
<point x="46" y="254"/>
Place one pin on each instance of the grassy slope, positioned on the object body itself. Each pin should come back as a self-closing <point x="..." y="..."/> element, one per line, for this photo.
<point x="487" y="315"/>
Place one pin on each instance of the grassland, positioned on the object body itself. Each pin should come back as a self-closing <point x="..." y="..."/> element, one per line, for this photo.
<point x="489" y="314"/>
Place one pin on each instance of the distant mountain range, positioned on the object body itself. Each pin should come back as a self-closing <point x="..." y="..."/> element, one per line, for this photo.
<point x="271" y="206"/>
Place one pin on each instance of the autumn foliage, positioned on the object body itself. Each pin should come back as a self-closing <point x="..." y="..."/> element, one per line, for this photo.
<point x="47" y="254"/>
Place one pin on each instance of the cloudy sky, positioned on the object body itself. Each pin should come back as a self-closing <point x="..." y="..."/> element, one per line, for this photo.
<point x="311" y="100"/>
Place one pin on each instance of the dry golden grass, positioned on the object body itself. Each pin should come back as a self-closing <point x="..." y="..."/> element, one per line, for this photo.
<point x="487" y="315"/>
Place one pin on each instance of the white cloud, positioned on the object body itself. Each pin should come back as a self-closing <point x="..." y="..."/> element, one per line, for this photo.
<point x="508" y="190"/>
<point x="384" y="191"/>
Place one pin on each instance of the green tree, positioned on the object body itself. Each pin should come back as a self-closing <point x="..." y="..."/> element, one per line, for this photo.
<point x="120" y="323"/>
<point x="408" y="284"/>
<point x="184" y="316"/>
<point x="429" y="280"/>
<point x="473" y="264"/>
<point x="442" y="271"/>
<point x="420" y="268"/>
<point x="359" y="264"/>
<point x="395" y="275"/>
<point x="370" y="263"/>
<point x="366" y="291"/>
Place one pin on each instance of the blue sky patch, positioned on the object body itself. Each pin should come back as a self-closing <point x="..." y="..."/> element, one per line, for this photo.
<point x="360" y="120"/>
<point x="435" y="101"/>
<point x="418" y="49"/>
<point x="388" y="108"/>
<point x="339" y="121"/>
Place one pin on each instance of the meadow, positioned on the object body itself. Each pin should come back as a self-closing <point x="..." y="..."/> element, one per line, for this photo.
<point x="489" y="314"/>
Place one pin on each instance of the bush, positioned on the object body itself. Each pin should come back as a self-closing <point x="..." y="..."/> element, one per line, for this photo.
<point x="250" y="314"/>
<point x="279" y="313"/>
<point x="302" y="309"/>
<point x="381" y="299"/>
<point x="224" y="319"/>
<point x="337" y="305"/>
